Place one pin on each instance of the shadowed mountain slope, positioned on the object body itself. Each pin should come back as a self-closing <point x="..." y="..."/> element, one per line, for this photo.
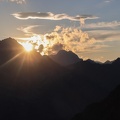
<point x="9" y="48"/>
<point x="35" y="87"/>
<point x="108" y="109"/>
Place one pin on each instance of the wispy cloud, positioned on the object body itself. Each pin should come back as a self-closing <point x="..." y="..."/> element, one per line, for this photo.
<point x="16" y="1"/>
<point x="28" y="30"/>
<point x="52" y="16"/>
<point x="104" y="31"/>
<point x="112" y="24"/>
<point x="107" y="1"/>
<point x="105" y="35"/>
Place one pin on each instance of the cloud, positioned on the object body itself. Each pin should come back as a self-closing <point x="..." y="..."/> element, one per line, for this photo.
<point x="52" y="16"/>
<point x="57" y="28"/>
<point x="107" y="1"/>
<point x="41" y="47"/>
<point x="57" y="47"/>
<point x="112" y="24"/>
<point x="28" y="30"/>
<point x="72" y="39"/>
<point x="75" y="39"/>
<point x="16" y="1"/>
<point x="67" y="38"/>
<point x="105" y="35"/>
<point x="104" y="31"/>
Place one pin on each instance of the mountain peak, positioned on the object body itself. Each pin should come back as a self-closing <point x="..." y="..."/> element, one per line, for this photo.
<point x="117" y="61"/>
<point x="65" y="57"/>
<point x="9" y="47"/>
<point x="10" y="43"/>
<point x="65" y="52"/>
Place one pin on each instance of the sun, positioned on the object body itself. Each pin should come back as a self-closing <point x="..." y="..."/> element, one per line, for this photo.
<point x="34" y="43"/>
<point x="28" y="47"/>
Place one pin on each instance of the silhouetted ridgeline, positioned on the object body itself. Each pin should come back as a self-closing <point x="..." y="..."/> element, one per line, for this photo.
<point x="65" y="58"/>
<point x="35" y="87"/>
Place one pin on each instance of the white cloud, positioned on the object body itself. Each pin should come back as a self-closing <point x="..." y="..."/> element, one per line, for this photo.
<point x="52" y="16"/>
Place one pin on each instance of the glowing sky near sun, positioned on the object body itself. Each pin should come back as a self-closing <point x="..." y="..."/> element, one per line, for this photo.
<point x="91" y="28"/>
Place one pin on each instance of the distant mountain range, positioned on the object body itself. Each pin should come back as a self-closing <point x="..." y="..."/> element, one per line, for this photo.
<point x="50" y="88"/>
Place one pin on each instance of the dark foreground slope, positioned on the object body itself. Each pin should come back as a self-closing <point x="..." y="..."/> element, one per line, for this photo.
<point x="26" y="79"/>
<point x="108" y="109"/>
<point x="35" y="87"/>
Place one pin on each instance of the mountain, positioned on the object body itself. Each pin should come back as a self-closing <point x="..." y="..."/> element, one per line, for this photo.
<point x="8" y="48"/>
<point x="107" y="62"/>
<point x="108" y="109"/>
<point x="65" y="58"/>
<point x="36" y="87"/>
<point x="117" y="61"/>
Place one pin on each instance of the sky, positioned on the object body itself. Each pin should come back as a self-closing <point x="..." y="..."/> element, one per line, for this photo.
<point x="90" y="28"/>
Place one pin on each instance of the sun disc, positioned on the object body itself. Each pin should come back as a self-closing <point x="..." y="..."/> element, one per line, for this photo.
<point x="28" y="47"/>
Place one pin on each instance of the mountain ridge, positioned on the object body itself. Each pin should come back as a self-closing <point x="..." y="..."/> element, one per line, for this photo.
<point x="65" y="58"/>
<point x="31" y="83"/>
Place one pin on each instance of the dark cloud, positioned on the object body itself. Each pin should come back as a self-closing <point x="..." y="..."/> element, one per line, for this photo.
<point x="41" y="47"/>
<point x="57" y="47"/>
<point x="49" y="37"/>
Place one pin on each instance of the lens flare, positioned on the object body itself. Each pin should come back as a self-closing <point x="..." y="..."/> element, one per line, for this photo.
<point x="28" y="46"/>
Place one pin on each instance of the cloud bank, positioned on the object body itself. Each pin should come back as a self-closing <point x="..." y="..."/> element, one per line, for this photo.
<point x="62" y="38"/>
<point x="52" y="16"/>
<point x="72" y="39"/>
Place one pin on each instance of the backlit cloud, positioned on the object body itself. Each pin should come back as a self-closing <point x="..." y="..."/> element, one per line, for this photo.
<point x="52" y="16"/>
<point x="72" y="39"/>
<point x="68" y="38"/>
<point x="75" y="39"/>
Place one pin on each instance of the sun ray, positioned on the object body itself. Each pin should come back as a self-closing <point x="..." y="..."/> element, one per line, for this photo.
<point x="9" y="61"/>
